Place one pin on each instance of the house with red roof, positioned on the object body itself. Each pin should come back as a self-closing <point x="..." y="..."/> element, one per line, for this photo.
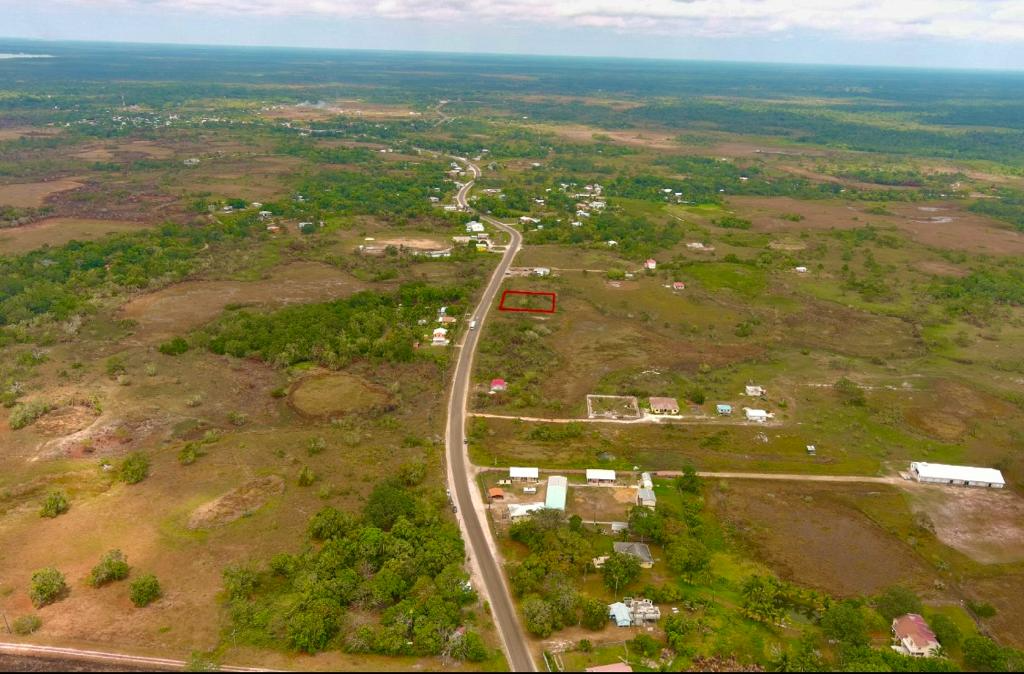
<point x="913" y="636"/>
<point x="498" y="385"/>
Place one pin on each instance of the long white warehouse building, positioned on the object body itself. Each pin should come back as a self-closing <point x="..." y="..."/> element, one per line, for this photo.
<point x="965" y="476"/>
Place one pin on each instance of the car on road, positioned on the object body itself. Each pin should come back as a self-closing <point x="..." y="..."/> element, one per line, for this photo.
<point x="455" y="508"/>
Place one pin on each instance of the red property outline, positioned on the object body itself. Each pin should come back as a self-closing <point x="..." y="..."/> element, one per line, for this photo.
<point x="553" y="296"/>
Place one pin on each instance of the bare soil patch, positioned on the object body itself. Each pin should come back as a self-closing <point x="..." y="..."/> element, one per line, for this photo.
<point x="34" y="195"/>
<point x="986" y="525"/>
<point x="415" y="244"/>
<point x="58" y="231"/>
<point x="811" y="538"/>
<point x="325" y="395"/>
<point x="188" y="305"/>
<point x="66" y="420"/>
<point x="237" y="503"/>
<point x="603" y="504"/>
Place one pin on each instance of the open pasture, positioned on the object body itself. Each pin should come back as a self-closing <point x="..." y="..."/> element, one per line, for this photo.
<point x="58" y="231"/>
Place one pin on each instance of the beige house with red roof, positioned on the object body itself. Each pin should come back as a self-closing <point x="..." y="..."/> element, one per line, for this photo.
<point x="913" y="636"/>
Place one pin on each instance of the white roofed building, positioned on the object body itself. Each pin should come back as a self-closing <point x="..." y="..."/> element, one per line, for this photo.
<point x="964" y="476"/>
<point x="523" y="474"/>
<point x="600" y="476"/>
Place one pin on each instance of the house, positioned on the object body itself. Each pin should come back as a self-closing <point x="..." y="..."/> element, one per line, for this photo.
<point x="755" y="391"/>
<point x="614" y="667"/>
<point x="450" y="208"/>
<point x="964" y="476"/>
<point x="812" y="450"/>
<point x="800" y="270"/>
<point x="600" y="476"/>
<point x="191" y="161"/>
<point x="646" y="498"/>
<point x="757" y="416"/>
<point x="265" y="214"/>
<point x="678" y="285"/>
<point x="518" y="511"/>
<point x="645" y="481"/>
<point x="723" y="409"/>
<point x="642" y="610"/>
<point x="474" y="227"/>
<point x="541" y="271"/>
<point x="651" y="264"/>
<point x="440" y="337"/>
<point x="664" y="405"/>
<point x="526" y="220"/>
<point x="520" y="474"/>
<point x="496" y="493"/>
<point x="638" y="550"/>
<point x="558" y="487"/>
<point x="447" y="320"/>
<point x="612" y="243"/>
<point x="498" y="385"/>
<point x="913" y="636"/>
<point x="620" y="614"/>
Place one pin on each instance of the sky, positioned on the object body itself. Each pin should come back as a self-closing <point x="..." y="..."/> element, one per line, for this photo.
<point x="915" y="33"/>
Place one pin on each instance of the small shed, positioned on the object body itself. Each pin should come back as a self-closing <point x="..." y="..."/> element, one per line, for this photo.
<point x="496" y="493"/>
<point x="754" y="390"/>
<point x="521" y="474"/>
<point x="646" y="498"/>
<point x="620" y="614"/>
<point x="600" y="476"/>
<point x="645" y="481"/>
<point x="723" y="409"/>
<point x="755" y="415"/>
<point x="661" y="405"/>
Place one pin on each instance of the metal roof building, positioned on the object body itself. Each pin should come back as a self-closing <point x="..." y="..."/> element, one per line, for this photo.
<point x="520" y="473"/>
<point x="600" y="475"/>
<point x="558" y="487"/>
<point x="967" y="476"/>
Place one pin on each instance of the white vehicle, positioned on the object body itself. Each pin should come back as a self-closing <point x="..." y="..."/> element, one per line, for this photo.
<point x="472" y="324"/>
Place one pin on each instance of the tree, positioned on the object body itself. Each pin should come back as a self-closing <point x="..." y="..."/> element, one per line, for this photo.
<point x="946" y="631"/>
<point x="897" y="601"/>
<point x="647" y="524"/>
<point x="412" y="473"/>
<point x="689" y="482"/>
<point x="113" y="566"/>
<point x="26" y="624"/>
<point x="174" y="347"/>
<point x="47" y="586"/>
<point x="844" y="622"/>
<point x="593" y="613"/>
<point x="538" y="616"/>
<point x="56" y="503"/>
<point x="687" y="556"/>
<point x="677" y="627"/>
<point x="388" y="502"/>
<point x="620" y="570"/>
<point x="144" y="590"/>
<point x="984" y="655"/>
<point x="469" y="647"/>
<point x="312" y="624"/>
<point x="849" y="392"/>
<point x="330" y="523"/>
<point x="646" y="645"/>
<point x="761" y="599"/>
<point x="240" y="582"/>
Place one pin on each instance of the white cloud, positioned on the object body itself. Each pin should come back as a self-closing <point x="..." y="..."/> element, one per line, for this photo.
<point x="972" y="20"/>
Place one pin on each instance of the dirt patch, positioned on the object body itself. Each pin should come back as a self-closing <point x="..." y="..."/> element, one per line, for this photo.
<point x="190" y="304"/>
<point x="65" y="420"/>
<point x="811" y="538"/>
<point x="603" y="504"/>
<point x="986" y="525"/>
<point x="326" y="395"/>
<point x="940" y="268"/>
<point x="787" y="245"/>
<point x="34" y="195"/>
<point x="415" y="244"/>
<point x="58" y="231"/>
<point x="237" y="503"/>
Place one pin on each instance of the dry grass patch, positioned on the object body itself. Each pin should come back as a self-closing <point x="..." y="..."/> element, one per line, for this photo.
<point x="331" y="394"/>
<point x="58" y="231"/>
<point x="34" y="195"/>
<point x="985" y="525"/>
<point x="239" y="502"/>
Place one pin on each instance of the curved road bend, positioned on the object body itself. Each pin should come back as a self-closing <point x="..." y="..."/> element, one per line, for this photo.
<point x="472" y="512"/>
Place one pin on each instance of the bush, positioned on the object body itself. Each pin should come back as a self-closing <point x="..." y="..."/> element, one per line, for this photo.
<point x="145" y="590"/>
<point x="850" y="393"/>
<point x="733" y="222"/>
<point x="982" y="609"/>
<point x="646" y="645"/>
<point x="315" y="446"/>
<point x="26" y="414"/>
<point x="946" y="631"/>
<point x="593" y="613"/>
<point x="844" y="622"/>
<point x="306" y="476"/>
<point x="26" y="624"/>
<point x="412" y="473"/>
<point x="48" y="585"/>
<point x="538" y="617"/>
<point x="470" y="647"/>
<point x="984" y="655"/>
<point x="330" y="523"/>
<point x="189" y="454"/>
<point x="240" y="582"/>
<point x="134" y="468"/>
<point x="313" y="624"/>
<point x="113" y="566"/>
<point x="174" y="347"/>
<point x="56" y="503"/>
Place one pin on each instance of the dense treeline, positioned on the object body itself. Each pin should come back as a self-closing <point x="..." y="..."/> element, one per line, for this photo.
<point x="1008" y="207"/>
<point x="402" y="193"/>
<point x="400" y="562"/>
<point x="366" y="325"/>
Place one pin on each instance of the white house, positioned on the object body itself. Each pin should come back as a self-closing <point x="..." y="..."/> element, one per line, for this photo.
<point x="541" y="271"/>
<point x="521" y="474"/>
<point x="755" y="391"/>
<point x="645" y="481"/>
<point x="527" y="220"/>
<point x="800" y="270"/>
<point x="474" y="227"/>
<point x="520" y="510"/>
<point x="646" y="498"/>
<point x="965" y="476"/>
<point x="440" y="337"/>
<point x="755" y="415"/>
<point x="600" y="476"/>
<point x="913" y="636"/>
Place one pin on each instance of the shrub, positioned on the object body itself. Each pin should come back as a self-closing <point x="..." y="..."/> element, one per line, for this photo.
<point x="200" y="662"/>
<point x="189" y="454"/>
<point x="134" y="468"/>
<point x="237" y="418"/>
<point x="330" y="523"/>
<point x="733" y="222"/>
<point x="56" y="503"/>
<point x="48" y="585"/>
<point x="316" y="445"/>
<point x="116" y="366"/>
<point x="470" y="647"/>
<point x="240" y="582"/>
<point x="538" y="617"/>
<point x="145" y="590"/>
<point x="306" y="476"/>
<point x="113" y="566"/>
<point x="26" y="414"/>
<point x="412" y="473"/>
<point x="850" y="393"/>
<point x="26" y="624"/>
<point x="982" y="609"/>
<point x="946" y="631"/>
<point x="896" y="601"/>
<point x="174" y="347"/>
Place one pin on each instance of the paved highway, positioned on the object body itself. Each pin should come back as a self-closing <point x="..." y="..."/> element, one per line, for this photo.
<point x="471" y="510"/>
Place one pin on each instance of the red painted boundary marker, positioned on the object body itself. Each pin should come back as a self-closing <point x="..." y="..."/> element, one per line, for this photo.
<point x="552" y="296"/>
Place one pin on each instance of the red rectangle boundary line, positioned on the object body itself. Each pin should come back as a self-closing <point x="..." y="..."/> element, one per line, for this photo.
<point x="505" y="294"/>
